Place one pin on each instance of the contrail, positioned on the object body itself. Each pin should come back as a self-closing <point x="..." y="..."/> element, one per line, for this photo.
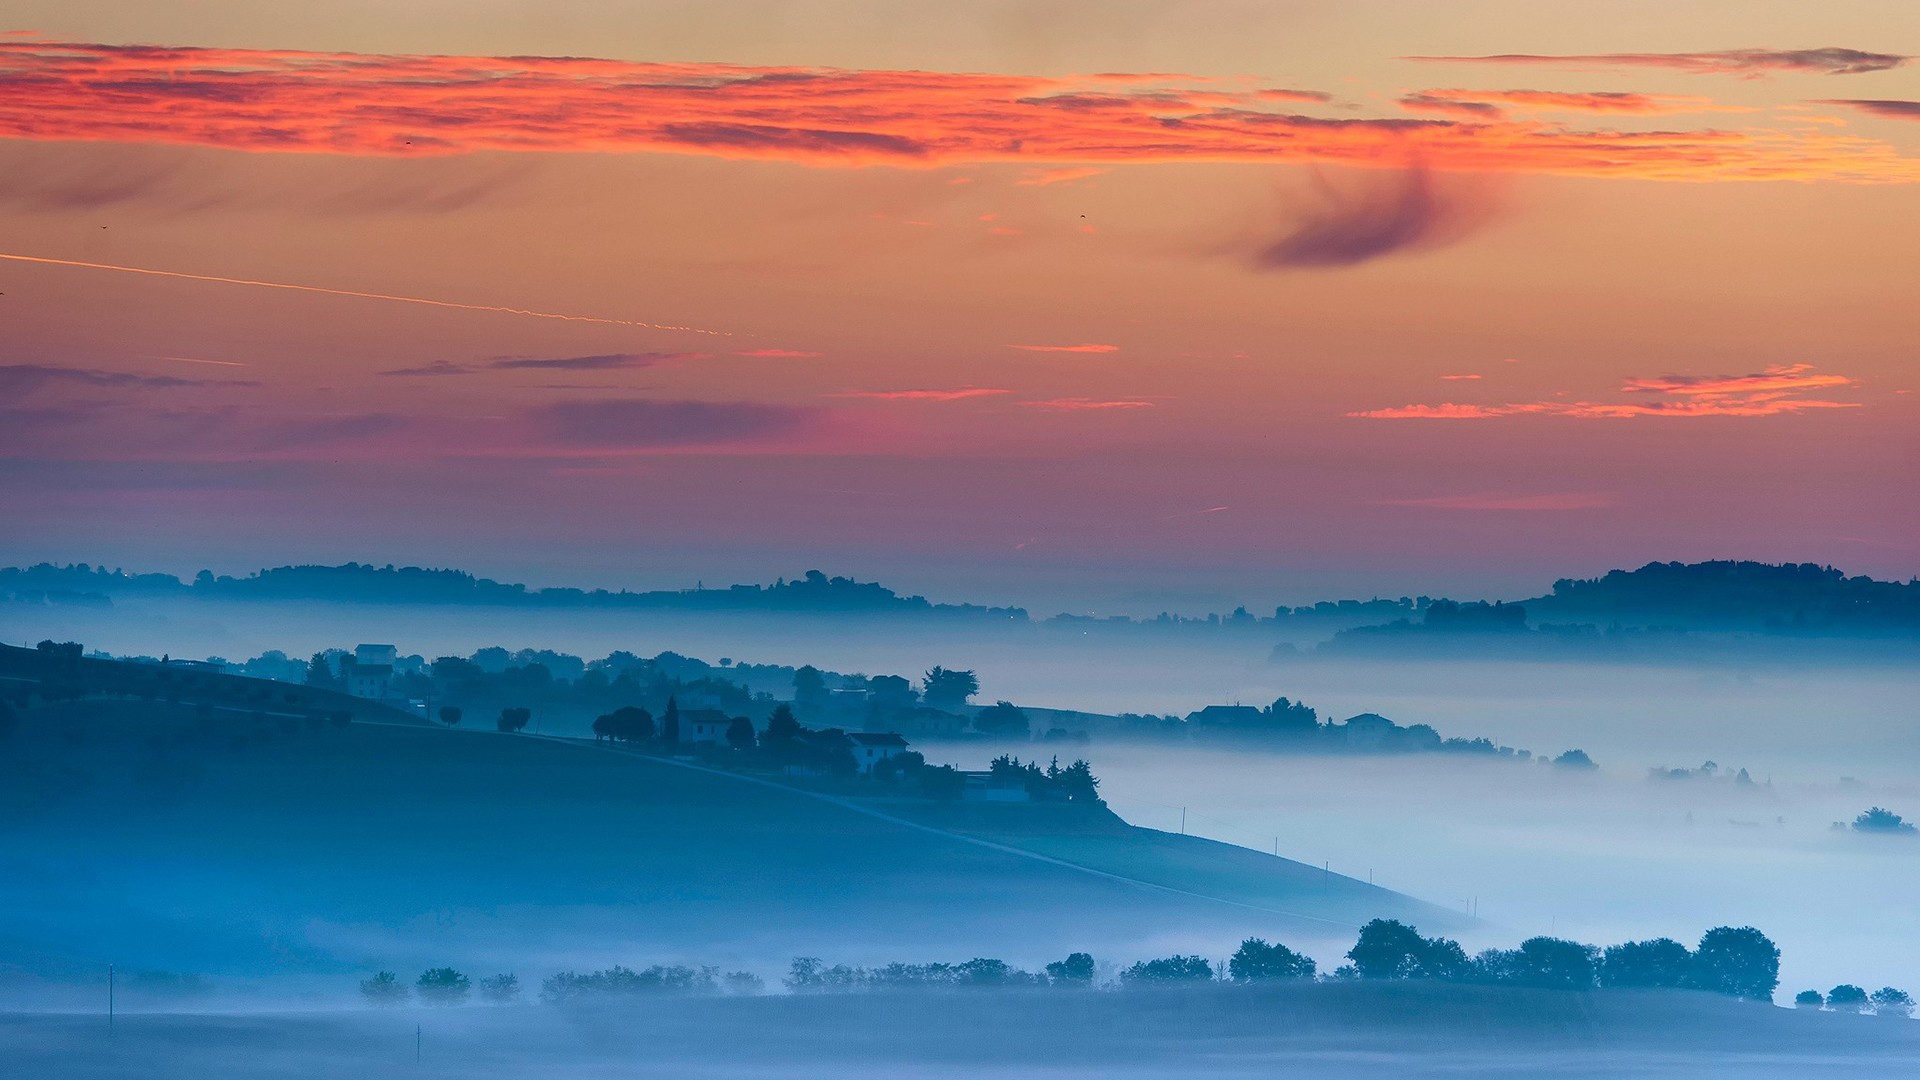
<point x="362" y="295"/>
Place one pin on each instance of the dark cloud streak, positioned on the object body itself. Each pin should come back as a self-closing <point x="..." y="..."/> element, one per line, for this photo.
<point x="1370" y="221"/>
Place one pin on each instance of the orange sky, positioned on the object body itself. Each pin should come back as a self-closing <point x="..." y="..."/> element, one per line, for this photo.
<point x="1228" y="298"/>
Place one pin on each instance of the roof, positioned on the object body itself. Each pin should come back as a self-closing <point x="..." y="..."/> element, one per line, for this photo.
<point x="877" y="738"/>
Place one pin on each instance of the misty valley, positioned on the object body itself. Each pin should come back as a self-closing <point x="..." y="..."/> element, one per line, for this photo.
<point x="330" y="847"/>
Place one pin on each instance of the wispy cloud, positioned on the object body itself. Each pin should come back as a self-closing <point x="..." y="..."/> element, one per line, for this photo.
<point x="1750" y="63"/>
<point x="642" y="423"/>
<point x="1776" y="391"/>
<point x="1494" y="104"/>
<point x="436" y="368"/>
<point x="1787" y="377"/>
<point x="1080" y="404"/>
<point x="1370" y="217"/>
<point x="1086" y="347"/>
<point x="1460" y="378"/>
<point x="600" y="362"/>
<point x="1049" y="177"/>
<point x="1891" y="108"/>
<point x="350" y="103"/>
<point x="778" y="354"/>
<point x="597" y="362"/>
<point x="956" y="394"/>
<point x="1557" y="500"/>
<point x="18" y="380"/>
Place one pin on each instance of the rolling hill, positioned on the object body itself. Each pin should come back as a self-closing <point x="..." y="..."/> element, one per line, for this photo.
<point x="154" y="836"/>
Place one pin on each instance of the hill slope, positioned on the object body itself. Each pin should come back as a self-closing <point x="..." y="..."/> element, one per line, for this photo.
<point x="147" y="835"/>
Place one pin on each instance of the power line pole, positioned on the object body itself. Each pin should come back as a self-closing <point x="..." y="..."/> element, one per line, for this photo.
<point x="416" y="1044"/>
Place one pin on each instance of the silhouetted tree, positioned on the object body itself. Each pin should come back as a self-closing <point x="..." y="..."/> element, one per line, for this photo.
<point x="450" y="714"/>
<point x="1884" y="822"/>
<point x="670" y="722"/>
<point x="809" y="688"/>
<point x="1256" y="961"/>
<point x="1168" y="969"/>
<point x="1893" y="1003"/>
<point x="1577" y="760"/>
<point x="628" y="723"/>
<point x="1077" y="782"/>
<point x="1737" y="961"/>
<point x="1075" y="970"/>
<point x="1847" y="998"/>
<point x="1390" y="949"/>
<point x="513" y="719"/>
<point x="442" y="986"/>
<point x="1661" y="962"/>
<point x="782" y="728"/>
<point x="1002" y="718"/>
<point x="1285" y="717"/>
<point x="943" y="783"/>
<point x="1809" y="999"/>
<point x="945" y="688"/>
<point x="320" y="673"/>
<point x="1556" y="964"/>
<point x="384" y="989"/>
<point x="500" y="989"/>
<point x="740" y="733"/>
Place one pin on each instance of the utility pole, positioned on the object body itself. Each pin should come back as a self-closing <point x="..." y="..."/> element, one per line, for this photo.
<point x="1183" y="821"/>
<point x="416" y="1044"/>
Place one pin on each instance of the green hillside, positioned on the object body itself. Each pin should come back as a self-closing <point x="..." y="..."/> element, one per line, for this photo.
<point x="159" y="837"/>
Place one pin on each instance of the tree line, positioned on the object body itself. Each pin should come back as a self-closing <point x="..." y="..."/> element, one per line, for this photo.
<point x="1738" y="962"/>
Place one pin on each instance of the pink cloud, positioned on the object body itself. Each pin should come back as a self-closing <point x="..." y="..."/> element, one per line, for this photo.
<point x="1560" y="500"/>
<point x="1049" y="177"/>
<point x="1776" y="391"/>
<point x="1084" y="348"/>
<point x="959" y="394"/>
<point x="778" y="354"/>
<point x="1751" y="63"/>
<point x="1079" y="404"/>
<point x="1457" y="378"/>
<point x="285" y="101"/>
<point x="1495" y="103"/>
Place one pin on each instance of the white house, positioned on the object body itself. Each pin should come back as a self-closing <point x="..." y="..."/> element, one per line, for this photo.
<point x="704" y="726"/>
<point x="369" y="673"/>
<point x="870" y="748"/>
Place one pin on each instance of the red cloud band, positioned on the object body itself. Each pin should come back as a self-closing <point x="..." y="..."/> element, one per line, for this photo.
<point x="347" y="103"/>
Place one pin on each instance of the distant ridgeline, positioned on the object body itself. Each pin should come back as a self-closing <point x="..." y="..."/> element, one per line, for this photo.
<point x="369" y="584"/>
<point x="1648" y="605"/>
<point x="1656" y="608"/>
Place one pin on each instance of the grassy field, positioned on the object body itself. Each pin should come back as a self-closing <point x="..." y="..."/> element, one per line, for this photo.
<point x="1343" y="1031"/>
<point x="150" y="836"/>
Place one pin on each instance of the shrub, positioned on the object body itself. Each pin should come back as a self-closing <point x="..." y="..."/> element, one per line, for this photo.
<point x="1847" y="998"/>
<point x="1257" y="961"/>
<point x="1168" y="969"/>
<point x="1737" y="961"/>
<point x="1809" y="999"/>
<point x="1890" y="1002"/>
<point x="501" y="989"/>
<point x="442" y="986"/>
<point x="1075" y="970"/>
<point x="384" y="989"/>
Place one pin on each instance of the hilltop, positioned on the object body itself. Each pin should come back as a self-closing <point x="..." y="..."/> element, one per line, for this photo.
<point x="1800" y="599"/>
<point x="171" y="839"/>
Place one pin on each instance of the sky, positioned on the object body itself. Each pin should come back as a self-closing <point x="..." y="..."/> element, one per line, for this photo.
<point x="1004" y="302"/>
